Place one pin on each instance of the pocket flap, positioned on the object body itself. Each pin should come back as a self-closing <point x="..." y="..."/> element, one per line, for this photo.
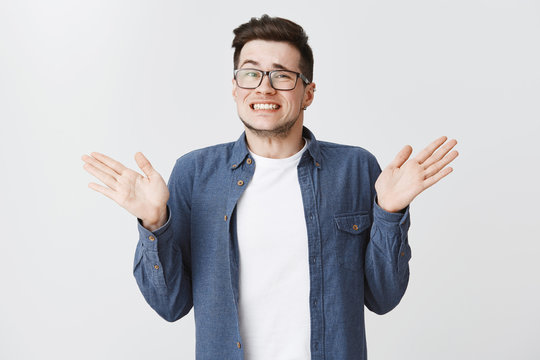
<point x="353" y="223"/>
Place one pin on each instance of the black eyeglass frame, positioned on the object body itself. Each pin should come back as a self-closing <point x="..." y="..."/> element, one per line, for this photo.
<point x="269" y="74"/>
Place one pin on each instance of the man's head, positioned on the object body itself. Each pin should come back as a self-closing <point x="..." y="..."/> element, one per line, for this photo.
<point x="265" y="106"/>
<point x="275" y="29"/>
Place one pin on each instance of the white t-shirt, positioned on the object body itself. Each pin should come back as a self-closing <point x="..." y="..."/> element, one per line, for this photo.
<point x="274" y="268"/>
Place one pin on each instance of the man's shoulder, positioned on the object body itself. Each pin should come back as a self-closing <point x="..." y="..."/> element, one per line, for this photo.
<point x="331" y="149"/>
<point x="203" y="163"/>
<point x="211" y="153"/>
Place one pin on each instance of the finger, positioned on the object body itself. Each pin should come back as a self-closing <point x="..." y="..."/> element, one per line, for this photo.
<point x="428" y="150"/>
<point x="439" y="154"/>
<point x="144" y="164"/>
<point x="101" y="166"/>
<point x="103" y="190"/>
<point x="103" y="177"/>
<point x="401" y="157"/>
<point x="438" y="176"/>
<point x="435" y="168"/>
<point x="113" y="164"/>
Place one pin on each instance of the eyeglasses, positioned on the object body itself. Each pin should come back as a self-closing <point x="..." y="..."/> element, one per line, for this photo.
<point x="279" y="79"/>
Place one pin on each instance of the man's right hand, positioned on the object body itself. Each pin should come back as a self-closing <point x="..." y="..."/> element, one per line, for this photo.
<point x="143" y="196"/>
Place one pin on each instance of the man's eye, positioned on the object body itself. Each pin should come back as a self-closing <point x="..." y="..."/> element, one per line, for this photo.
<point x="284" y="76"/>
<point x="252" y="74"/>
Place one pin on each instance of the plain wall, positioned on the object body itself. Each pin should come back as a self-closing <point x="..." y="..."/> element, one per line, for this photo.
<point x="155" y="76"/>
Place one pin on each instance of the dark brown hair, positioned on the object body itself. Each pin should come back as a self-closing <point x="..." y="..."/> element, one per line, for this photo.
<point x="275" y="29"/>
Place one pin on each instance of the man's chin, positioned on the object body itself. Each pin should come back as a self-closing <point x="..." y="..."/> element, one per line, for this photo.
<point x="281" y="130"/>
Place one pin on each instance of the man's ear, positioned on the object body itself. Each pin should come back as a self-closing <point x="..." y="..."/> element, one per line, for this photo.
<point x="309" y="94"/>
<point x="234" y="89"/>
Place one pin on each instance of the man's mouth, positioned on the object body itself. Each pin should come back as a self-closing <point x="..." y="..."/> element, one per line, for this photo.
<point x="264" y="106"/>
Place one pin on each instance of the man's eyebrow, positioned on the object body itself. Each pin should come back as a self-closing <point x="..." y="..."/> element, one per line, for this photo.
<point x="279" y="66"/>
<point x="255" y="63"/>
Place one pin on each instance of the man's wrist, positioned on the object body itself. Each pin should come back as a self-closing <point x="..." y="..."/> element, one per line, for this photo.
<point x="156" y="224"/>
<point x="387" y="208"/>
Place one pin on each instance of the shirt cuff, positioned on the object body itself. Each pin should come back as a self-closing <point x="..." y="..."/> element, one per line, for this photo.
<point x="149" y="238"/>
<point x="402" y="217"/>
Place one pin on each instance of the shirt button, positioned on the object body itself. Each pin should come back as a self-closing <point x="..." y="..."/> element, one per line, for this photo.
<point x="249" y="161"/>
<point x="314" y="259"/>
<point x="315" y="302"/>
<point x="240" y="183"/>
<point x="402" y="253"/>
<point x="156" y="267"/>
<point x="234" y="166"/>
<point x="316" y="345"/>
<point x="317" y="164"/>
<point x="151" y="238"/>
<point x="355" y="227"/>
<point x="238" y="345"/>
<point x="225" y="218"/>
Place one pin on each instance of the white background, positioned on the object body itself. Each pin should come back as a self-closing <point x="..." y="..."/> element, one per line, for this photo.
<point x="126" y="76"/>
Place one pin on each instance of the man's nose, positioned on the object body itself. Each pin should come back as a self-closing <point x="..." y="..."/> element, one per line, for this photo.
<point x="266" y="87"/>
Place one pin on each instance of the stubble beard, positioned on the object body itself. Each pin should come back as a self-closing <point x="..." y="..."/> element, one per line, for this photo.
<point x="282" y="131"/>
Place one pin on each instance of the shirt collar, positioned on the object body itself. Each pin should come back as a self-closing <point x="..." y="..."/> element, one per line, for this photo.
<point x="313" y="148"/>
<point x="240" y="150"/>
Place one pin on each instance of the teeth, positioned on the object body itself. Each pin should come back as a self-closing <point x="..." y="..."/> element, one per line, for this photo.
<point x="265" y="106"/>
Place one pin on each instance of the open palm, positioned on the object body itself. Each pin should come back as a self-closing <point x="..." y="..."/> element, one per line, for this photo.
<point x="143" y="196"/>
<point x="404" y="179"/>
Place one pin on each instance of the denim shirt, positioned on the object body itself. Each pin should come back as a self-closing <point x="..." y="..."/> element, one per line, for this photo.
<point x="358" y="253"/>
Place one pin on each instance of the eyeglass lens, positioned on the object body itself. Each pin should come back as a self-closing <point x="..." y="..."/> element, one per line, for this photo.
<point x="280" y="79"/>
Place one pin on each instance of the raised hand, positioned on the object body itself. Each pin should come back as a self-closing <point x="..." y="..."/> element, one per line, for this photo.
<point x="143" y="196"/>
<point x="402" y="180"/>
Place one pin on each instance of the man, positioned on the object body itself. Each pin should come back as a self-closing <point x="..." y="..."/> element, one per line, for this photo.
<point x="277" y="240"/>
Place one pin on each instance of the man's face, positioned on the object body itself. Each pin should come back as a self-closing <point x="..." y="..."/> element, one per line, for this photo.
<point x="286" y="111"/>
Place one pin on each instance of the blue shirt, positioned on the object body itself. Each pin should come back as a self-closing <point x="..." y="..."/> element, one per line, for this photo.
<point x="358" y="253"/>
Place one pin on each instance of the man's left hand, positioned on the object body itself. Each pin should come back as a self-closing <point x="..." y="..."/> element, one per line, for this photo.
<point x="403" y="179"/>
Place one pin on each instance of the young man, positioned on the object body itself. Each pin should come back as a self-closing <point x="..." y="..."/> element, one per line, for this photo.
<point x="277" y="240"/>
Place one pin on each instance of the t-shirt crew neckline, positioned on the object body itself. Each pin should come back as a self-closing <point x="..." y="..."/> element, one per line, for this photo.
<point x="269" y="161"/>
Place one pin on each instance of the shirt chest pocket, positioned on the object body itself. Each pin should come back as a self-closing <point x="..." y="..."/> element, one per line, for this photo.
<point x="352" y="235"/>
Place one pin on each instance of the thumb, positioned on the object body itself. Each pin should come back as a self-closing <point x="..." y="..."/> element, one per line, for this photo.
<point x="401" y="157"/>
<point x="144" y="164"/>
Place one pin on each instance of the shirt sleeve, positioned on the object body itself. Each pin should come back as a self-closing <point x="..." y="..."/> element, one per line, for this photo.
<point x="162" y="264"/>
<point x="387" y="259"/>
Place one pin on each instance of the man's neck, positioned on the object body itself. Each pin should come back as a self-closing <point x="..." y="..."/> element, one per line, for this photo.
<point x="276" y="147"/>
